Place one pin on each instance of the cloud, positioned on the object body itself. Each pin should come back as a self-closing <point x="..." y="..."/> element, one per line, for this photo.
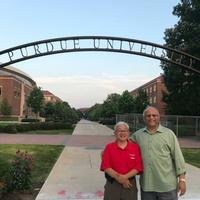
<point x="85" y="91"/>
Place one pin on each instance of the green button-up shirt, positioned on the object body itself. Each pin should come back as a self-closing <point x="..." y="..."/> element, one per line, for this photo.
<point x="162" y="159"/>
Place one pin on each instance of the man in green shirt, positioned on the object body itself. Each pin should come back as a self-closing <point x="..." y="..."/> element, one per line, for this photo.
<point x="164" y="166"/>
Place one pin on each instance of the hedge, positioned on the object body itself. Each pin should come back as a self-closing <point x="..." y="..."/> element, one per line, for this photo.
<point x="15" y="128"/>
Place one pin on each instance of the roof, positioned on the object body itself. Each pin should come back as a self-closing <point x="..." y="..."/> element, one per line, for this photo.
<point x="20" y="74"/>
<point x="47" y="93"/>
<point x="150" y="82"/>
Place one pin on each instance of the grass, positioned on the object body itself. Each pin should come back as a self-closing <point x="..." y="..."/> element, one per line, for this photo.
<point x="51" y="132"/>
<point x="192" y="156"/>
<point x="44" y="157"/>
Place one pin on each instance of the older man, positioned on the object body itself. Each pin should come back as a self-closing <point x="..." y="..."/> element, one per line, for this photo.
<point x="121" y="161"/>
<point x="164" y="166"/>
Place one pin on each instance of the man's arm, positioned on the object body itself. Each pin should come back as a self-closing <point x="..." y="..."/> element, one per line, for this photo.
<point x="111" y="172"/>
<point x="182" y="185"/>
<point x="131" y="173"/>
<point x="179" y="165"/>
<point x="122" y="179"/>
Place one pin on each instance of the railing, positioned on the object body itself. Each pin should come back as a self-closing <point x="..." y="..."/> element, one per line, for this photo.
<point x="181" y="125"/>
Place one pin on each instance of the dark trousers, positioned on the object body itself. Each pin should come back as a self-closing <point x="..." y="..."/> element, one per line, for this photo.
<point x="171" y="195"/>
<point x="115" y="191"/>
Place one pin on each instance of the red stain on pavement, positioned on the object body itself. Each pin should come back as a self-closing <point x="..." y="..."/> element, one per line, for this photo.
<point x="62" y="193"/>
<point x="99" y="193"/>
<point x="79" y="195"/>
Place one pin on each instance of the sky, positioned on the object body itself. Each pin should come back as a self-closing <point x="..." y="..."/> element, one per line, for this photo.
<point x="85" y="78"/>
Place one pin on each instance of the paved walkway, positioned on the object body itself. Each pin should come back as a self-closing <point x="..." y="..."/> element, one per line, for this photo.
<point x="76" y="174"/>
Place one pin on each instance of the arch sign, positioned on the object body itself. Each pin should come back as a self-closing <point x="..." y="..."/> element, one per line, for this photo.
<point x="99" y="43"/>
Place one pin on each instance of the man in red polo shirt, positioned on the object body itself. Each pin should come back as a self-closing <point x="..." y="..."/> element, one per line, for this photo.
<point x="121" y="161"/>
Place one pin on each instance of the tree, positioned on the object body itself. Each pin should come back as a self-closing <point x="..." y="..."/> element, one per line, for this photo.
<point x="126" y="103"/>
<point x="60" y="112"/>
<point x="141" y="101"/>
<point x="94" y="113"/>
<point x="48" y="111"/>
<point x="110" y="106"/>
<point x="36" y="100"/>
<point x="183" y="86"/>
<point x="5" y="108"/>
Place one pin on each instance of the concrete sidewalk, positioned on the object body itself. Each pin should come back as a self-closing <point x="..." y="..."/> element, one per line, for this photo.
<point x="76" y="174"/>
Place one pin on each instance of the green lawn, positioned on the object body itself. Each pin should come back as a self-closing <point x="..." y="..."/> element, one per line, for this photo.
<point x="192" y="156"/>
<point x="51" y="132"/>
<point x="44" y="157"/>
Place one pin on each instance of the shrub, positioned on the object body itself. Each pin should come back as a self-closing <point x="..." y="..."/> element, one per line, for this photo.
<point x="14" y="128"/>
<point x="30" y="120"/>
<point x="10" y="129"/>
<point x="108" y="121"/>
<point x="20" y="172"/>
<point x="2" y="187"/>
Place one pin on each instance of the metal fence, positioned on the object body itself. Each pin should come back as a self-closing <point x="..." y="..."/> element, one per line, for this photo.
<point x="181" y="125"/>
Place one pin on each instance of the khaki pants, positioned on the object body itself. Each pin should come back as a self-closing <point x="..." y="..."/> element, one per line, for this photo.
<point x="115" y="191"/>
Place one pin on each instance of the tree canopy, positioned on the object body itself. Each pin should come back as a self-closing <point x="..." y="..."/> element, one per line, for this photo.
<point x="141" y="102"/>
<point x="35" y="100"/>
<point x="59" y="112"/>
<point x="118" y="104"/>
<point x="183" y="86"/>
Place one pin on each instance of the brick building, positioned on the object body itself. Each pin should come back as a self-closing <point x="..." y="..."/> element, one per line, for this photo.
<point x="154" y="90"/>
<point x="15" y="86"/>
<point x="49" y="97"/>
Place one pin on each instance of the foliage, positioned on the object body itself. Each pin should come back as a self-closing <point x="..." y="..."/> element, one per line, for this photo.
<point x="5" y="108"/>
<point x="126" y="103"/>
<point x="78" y="113"/>
<point x="94" y="113"/>
<point x="30" y="120"/>
<point x="59" y="112"/>
<point x="14" y="128"/>
<point x="141" y="101"/>
<point x="2" y="187"/>
<point x="51" y="132"/>
<point x="110" y="106"/>
<point x="20" y="174"/>
<point x="35" y="100"/>
<point x="117" y="104"/>
<point x="45" y="157"/>
<point x="183" y="86"/>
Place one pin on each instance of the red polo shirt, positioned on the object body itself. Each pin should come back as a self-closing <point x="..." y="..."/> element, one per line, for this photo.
<point x="122" y="160"/>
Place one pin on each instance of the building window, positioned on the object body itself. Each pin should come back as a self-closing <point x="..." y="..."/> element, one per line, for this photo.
<point x="150" y="90"/>
<point x="154" y="99"/>
<point x="150" y="100"/>
<point x="15" y="93"/>
<point x="154" y="88"/>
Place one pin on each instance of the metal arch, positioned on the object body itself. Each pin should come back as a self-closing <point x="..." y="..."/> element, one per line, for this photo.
<point x="98" y="43"/>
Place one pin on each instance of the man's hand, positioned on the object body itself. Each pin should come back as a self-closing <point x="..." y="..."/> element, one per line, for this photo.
<point x="127" y="184"/>
<point x="121" y="178"/>
<point x="181" y="187"/>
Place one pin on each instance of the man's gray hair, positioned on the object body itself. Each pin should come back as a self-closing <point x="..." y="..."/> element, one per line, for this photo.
<point x="120" y="124"/>
<point x="148" y="108"/>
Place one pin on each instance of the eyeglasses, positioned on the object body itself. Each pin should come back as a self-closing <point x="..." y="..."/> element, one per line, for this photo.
<point x="153" y="115"/>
